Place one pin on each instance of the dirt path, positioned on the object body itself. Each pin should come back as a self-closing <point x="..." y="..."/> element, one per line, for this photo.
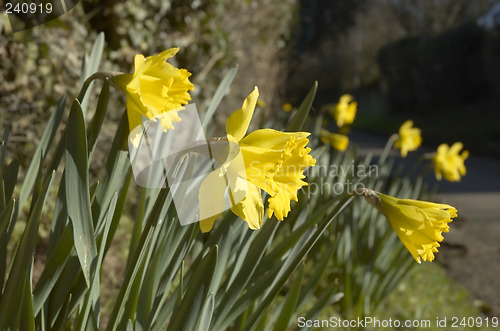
<point x="471" y="250"/>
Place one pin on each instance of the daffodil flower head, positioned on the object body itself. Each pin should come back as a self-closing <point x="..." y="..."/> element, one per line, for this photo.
<point x="344" y="111"/>
<point x="449" y="163"/>
<point x="274" y="161"/>
<point x="156" y="90"/>
<point x="337" y="141"/>
<point x="409" y="138"/>
<point x="418" y="224"/>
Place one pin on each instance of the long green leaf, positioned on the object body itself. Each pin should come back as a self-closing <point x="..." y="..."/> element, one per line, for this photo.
<point x="41" y="151"/>
<point x="288" y="308"/>
<point x="206" y="313"/>
<point x="91" y="302"/>
<point x="252" y="258"/>
<point x="53" y="269"/>
<point x="10" y="179"/>
<point x="219" y="94"/>
<point x="90" y="66"/>
<point x="98" y="119"/>
<point x="291" y="264"/>
<point x="186" y="316"/>
<point x="297" y="122"/>
<point x="5" y="218"/>
<point x="78" y="192"/>
<point x="27" y="318"/>
<point x="11" y="300"/>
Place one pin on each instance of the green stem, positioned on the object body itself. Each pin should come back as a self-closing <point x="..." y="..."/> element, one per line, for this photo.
<point x="98" y="75"/>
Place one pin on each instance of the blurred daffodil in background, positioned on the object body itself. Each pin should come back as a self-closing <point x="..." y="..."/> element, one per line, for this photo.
<point x="274" y="162"/>
<point x="336" y="140"/>
<point x="409" y="138"/>
<point x="287" y="107"/>
<point x="156" y="90"/>
<point x="449" y="163"/>
<point x="344" y="112"/>
<point x="418" y="224"/>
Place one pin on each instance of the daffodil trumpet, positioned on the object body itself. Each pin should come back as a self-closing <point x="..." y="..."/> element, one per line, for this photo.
<point x="418" y="224"/>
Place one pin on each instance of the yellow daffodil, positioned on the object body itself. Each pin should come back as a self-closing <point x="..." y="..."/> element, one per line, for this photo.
<point x="156" y="90"/>
<point x="287" y="107"/>
<point x="409" y="138"/>
<point x="449" y="163"/>
<point x="418" y="224"/>
<point x="274" y="161"/>
<point x="337" y="141"/>
<point x="344" y="111"/>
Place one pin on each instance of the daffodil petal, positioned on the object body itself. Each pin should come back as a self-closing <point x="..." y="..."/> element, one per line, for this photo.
<point x="251" y="209"/>
<point x="211" y="194"/>
<point x="237" y="124"/>
<point x="135" y="124"/>
<point x="208" y="223"/>
<point x="271" y="139"/>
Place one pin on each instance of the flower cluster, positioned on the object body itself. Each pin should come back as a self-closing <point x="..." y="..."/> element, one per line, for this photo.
<point x="274" y="161"/>
<point x="343" y="113"/>
<point x="447" y="161"/>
